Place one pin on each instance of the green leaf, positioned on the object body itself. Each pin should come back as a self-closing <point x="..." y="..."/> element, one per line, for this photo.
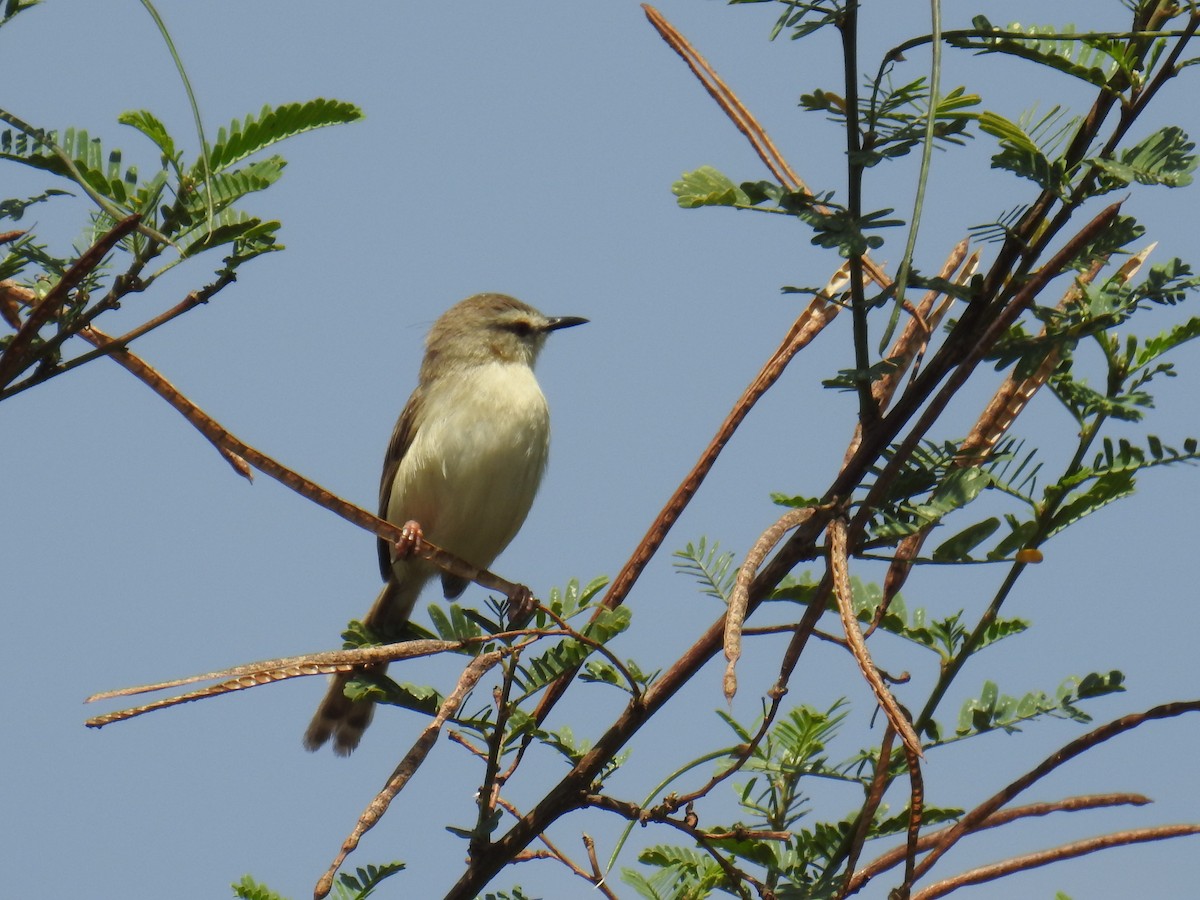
<point x="601" y="671"/>
<point x="714" y="571"/>
<point x="249" y="889"/>
<point x="837" y="229"/>
<point x="363" y="882"/>
<point x="571" y="601"/>
<point x="992" y="710"/>
<point x="959" y="547"/>
<point x="1093" y="59"/>
<point x="683" y="879"/>
<point x="517" y="893"/>
<point x="418" y="697"/>
<point x="230" y="186"/>
<point x="453" y="625"/>
<point x="1022" y="152"/>
<point x="563" y="740"/>
<point x="1164" y="157"/>
<point x="802" y="17"/>
<point x="1166" y="341"/>
<point x="794" y="501"/>
<point x="1104" y="490"/>
<point x="250" y="236"/>
<point x="14" y="209"/>
<point x="895" y="118"/>
<point x="149" y="125"/>
<point x="708" y="187"/>
<point x="1097" y="685"/>
<point x="99" y="170"/>
<point x="535" y="673"/>
<point x="898" y="824"/>
<point x="250" y="135"/>
<point x="14" y="7"/>
<point x="957" y="489"/>
<point x="1126" y="457"/>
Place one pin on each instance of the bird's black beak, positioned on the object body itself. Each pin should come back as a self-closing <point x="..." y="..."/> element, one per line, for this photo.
<point x="564" y="322"/>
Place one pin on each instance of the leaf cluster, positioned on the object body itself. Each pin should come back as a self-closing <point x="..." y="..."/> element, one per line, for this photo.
<point x="992" y="710"/>
<point x="357" y="886"/>
<point x="182" y="210"/>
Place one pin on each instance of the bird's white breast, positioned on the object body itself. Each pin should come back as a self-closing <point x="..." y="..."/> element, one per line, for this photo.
<point x="475" y="462"/>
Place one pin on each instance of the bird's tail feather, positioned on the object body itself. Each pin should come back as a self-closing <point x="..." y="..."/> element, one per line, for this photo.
<point x="338" y="716"/>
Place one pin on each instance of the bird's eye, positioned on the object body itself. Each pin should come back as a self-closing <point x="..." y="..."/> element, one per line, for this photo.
<point x="520" y="327"/>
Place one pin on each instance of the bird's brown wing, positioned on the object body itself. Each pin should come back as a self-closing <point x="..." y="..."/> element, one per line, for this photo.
<point x="402" y="438"/>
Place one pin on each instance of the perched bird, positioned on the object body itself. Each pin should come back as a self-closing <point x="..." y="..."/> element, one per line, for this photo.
<point x="464" y="462"/>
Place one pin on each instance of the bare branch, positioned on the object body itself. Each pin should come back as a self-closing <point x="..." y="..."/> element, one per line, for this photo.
<point x="866" y="815"/>
<point x="738" y="878"/>
<point x="973" y="819"/>
<point x="744" y="120"/>
<point x="819" y="313"/>
<point x="15" y="357"/>
<point x="229" y="444"/>
<point x="897" y="855"/>
<point x="1056" y="854"/>
<point x="411" y="762"/>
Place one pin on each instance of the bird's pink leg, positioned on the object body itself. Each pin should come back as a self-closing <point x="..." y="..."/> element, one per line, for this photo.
<point x="411" y="536"/>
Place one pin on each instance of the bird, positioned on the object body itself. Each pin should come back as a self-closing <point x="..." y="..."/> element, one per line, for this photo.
<point x="463" y="465"/>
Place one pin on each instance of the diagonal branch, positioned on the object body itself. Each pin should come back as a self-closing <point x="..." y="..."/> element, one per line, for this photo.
<point x="974" y="819"/>
<point x="897" y="855"/>
<point x="819" y="313"/>
<point x="412" y="761"/>
<point x="16" y="356"/>
<point x="229" y="445"/>
<point x="1053" y="855"/>
<point x="744" y="121"/>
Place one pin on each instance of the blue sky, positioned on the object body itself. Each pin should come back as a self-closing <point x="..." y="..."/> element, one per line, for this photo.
<point x="525" y="148"/>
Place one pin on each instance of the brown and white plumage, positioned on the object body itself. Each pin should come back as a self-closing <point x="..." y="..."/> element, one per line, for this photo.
<point x="464" y="461"/>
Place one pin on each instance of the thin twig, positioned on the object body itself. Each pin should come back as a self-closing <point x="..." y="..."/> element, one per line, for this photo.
<point x="412" y="761"/>
<point x="737" y="878"/>
<point x="910" y="343"/>
<point x="866" y="815"/>
<point x="991" y="333"/>
<point x="897" y="719"/>
<point x="1053" y="855"/>
<point x="596" y="878"/>
<point x="599" y="879"/>
<point x="744" y="121"/>
<point x="635" y="689"/>
<point x="1015" y="393"/>
<point x="228" y="443"/>
<point x="190" y="302"/>
<point x="819" y="313"/>
<point x="489" y="792"/>
<point x="972" y="819"/>
<point x="800" y="635"/>
<point x="728" y="101"/>
<point x="15" y="357"/>
<point x="897" y="855"/>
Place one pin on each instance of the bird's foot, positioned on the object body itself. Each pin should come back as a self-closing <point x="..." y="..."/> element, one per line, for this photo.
<point x="521" y="604"/>
<point x="411" y="536"/>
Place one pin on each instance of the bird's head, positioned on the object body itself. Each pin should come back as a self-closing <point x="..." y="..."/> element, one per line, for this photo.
<point x="491" y="328"/>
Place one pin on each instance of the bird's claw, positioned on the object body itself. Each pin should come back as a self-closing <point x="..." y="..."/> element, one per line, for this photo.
<point x="521" y="604"/>
<point x="411" y="536"/>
